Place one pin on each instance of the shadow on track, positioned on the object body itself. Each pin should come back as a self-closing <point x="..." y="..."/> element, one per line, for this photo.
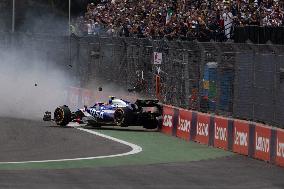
<point x="108" y="127"/>
<point x="122" y="129"/>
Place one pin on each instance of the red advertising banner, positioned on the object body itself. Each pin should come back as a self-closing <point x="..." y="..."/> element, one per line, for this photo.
<point x="87" y="97"/>
<point x="202" y="128"/>
<point x="279" y="160"/>
<point x="184" y="124"/>
<point x="168" y="115"/>
<point x="73" y="96"/>
<point x="262" y="142"/>
<point x="241" y="137"/>
<point x="221" y="132"/>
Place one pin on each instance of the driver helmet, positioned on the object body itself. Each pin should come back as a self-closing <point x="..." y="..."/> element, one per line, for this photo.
<point x="110" y="99"/>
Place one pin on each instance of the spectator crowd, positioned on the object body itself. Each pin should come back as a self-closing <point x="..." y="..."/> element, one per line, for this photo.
<point x="172" y="19"/>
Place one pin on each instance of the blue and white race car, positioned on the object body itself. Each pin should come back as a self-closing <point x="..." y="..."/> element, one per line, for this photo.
<point x="116" y="112"/>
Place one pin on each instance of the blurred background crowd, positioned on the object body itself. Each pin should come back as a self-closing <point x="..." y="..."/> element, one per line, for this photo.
<point x="182" y="19"/>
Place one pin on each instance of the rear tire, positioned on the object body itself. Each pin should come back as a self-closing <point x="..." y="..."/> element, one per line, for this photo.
<point x="122" y="117"/>
<point x="62" y="115"/>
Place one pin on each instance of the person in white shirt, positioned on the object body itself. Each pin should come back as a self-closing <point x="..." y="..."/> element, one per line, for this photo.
<point x="228" y="20"/>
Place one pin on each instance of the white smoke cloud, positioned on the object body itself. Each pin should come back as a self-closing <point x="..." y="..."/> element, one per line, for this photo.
<point x="28" y="85"/>
<point x="30" y="80"/>
<point x="21" y="68"/>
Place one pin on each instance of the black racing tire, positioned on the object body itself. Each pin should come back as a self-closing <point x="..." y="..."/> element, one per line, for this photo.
<point x="62" y="115"/>
<point x="122" y="117"/>
<point x="150" y="124"/>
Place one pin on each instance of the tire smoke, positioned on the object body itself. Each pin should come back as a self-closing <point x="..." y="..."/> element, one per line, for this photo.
<point x="29" y="85"/>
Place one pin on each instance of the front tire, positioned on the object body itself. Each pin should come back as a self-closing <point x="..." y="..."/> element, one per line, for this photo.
<point x="62" y="115"/>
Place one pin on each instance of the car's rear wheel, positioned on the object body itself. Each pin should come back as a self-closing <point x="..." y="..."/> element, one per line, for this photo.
<point x="122" y="117"/>
<point x="62" y="115"/>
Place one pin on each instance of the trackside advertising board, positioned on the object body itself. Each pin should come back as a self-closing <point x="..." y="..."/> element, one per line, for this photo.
<point x="262" y="142"/>
<point x="184" y="124"/>
<point x="221" y="132"/>
<point x="279" y="159"/>
<point x="241" y="137"/>
<point x="87" y="97"/>
<point x="202" y="128"/>
<point x="168" y="115"/>
<point x="73" y="96"/>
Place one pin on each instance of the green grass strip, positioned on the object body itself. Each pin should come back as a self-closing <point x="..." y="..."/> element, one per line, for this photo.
<point x="157" y="148"/>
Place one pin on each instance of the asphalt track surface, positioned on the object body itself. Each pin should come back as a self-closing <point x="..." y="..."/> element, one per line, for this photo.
<point x="22" y="140"/>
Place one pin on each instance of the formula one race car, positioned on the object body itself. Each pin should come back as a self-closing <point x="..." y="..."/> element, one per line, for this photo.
<point x="116" y="112"/>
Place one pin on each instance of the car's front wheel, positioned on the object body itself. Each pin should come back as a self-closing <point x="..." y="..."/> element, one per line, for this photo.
<point x="62" y="115"/>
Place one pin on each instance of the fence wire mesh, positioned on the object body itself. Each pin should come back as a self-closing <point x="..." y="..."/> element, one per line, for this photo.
<point x="239" y="80"/>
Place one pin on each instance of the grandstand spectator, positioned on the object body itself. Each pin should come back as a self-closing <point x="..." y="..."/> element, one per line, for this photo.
<point x="96" y="28"/>
<point x="90" y="26"/>
<point x="110" y="30"/>
<point x="182" y="19"/>
<point x="228" y="21"/>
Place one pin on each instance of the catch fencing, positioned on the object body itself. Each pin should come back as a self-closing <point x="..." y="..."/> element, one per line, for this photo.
<point x="239" y="80"/>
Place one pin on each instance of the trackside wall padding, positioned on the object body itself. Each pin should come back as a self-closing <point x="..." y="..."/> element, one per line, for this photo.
<point x="230" y="134"/>
<point x="73" y="97"/>
<point x="193" y="126"/>
<point x="262" y="142"/>
<point x="279" y="148"/>
<point x="175" y="121"/>
<point x="241" y="137"/>
<point x="252" y="139"/>
<point x="273" y="137"/>
<point x="168" y="120"/>
<point x="184" y="124"/>
<point x="202" y="128"/>
<point x="78" y="97"/>
<point x="221" y="132"/>
<point x="87" y="97"/>
<point x="211" y="131"/>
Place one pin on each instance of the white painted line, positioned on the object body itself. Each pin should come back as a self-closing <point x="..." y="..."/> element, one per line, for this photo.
<point x="135" y="149"/>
